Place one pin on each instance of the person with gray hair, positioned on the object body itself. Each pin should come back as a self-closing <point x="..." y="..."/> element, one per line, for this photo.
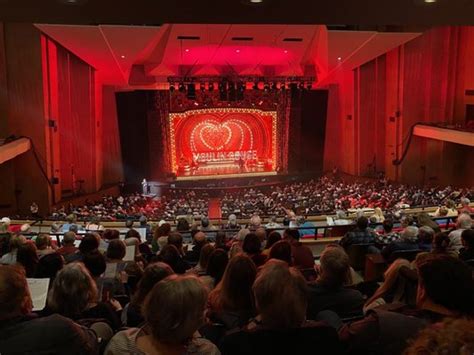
<point x="425" y="238"/>
<point x="68" y="250"/>
<point x="408" y="241"/>
<point x="464" y="222"/>
<point x="465" y="208"/>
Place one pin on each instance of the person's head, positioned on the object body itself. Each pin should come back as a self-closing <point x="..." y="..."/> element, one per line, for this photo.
<point x="291" y="235"/>
<point x="15" y="299"/>
<point x="362" y="223"/>
<point x="464" y="221"/>
<point x="143" y="221"/>
<point x="111" y="234"/>
<point x="465" y="202"/>
<point x="451" y="337"/>
<point x="409" y="234"/>
<point x="132" y="233"/>
<point x="73" y="228"/>
<point x="176" y="239"/>
<point x="163" y="230"/>
<point x="232" y="219"/>
<point x="16" y="241"/>
<point x="450" y="204"/>
<point x="25" y="228"/>
<point x="280" y="295"/>
<point x="205" y="254"/>
<point x="255" y="221"/>
<point x="49" y="265"/>
<point x="281" y="250"/>
<point x="7" y="221"/>
<point x="199" y="239"/>
<point x="72" y="218"/>
<point x="174" y="309"/>
<point x="170" y="255"/>
<point x="467" y="238"/>
<point x="445" y="283"/>
<point x="220" y="239"/>
<point x="241" y="234"/>
<point x="73" y="290"/>
<point x="406" y="221"/>
<point x="261" y="233"/>
<point x="95" y="262"/>
<point x="216" y="265"/>
<point x="252" y="244"/>
<point x="424" y="219"/>
<point x="153" y="274"/>
<point x="387" y="225"/>
<point x="129" y="223"/>
<point x="235" y="289"/>
<point x="27" y="257"/>
<point x="69" y="238"/>
<point x="204" y="222"/>
<point x="335" y="268"/>
<point x="273" y="237"/>
<point x="441" y="242"/>
<point x="116" y="250"/>
<point x="182" y="225"/>
<point x="88" y="243"/>
<point x="426" y="234"/>
<point x="43" y="241"/>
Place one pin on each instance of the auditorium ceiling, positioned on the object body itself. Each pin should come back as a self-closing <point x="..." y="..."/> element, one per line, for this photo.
<point x="146" y="56"/>
<point x="157" y="12"/>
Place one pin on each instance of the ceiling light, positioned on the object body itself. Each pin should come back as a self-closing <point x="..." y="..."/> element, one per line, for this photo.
<point x="430" y="1"/>
<point x="72" y="2"/>
<point x="237" y="51"/>
<point x="122" y="56"/>
<point x="339" y="58"/>
<point x="186" y="50"/>
<point x="256" y="1"/>
<point x="285" y="51"/>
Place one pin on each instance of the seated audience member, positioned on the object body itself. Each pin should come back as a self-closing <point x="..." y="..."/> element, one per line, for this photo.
<point x="14" y="243"/>
<point x="425" y="238"/>
<point x="49" y="265"/>
<point x="281" y="328"/>
<point x="232" y="223"/>
<point x="221" y="241"/>
<point x="328" y="291"/>
<point x="465" y="208"/>
<point x="252" y="247"/>
<point x="281" y="251"/>
<point x="408" y="241"/>
<point x="360" y="235"/>
<point x="160" y="236"/>
<point x="464" y="222"/>
<point x="142" y="248"/>
<point x="201" y="267"/>
<point x="216" y="265"/>
<point x="236" y="243"/>
<point x="378" y="216"/>
<point x="450" y="209"/>
<point x="388" y="236"/>
<point x="89" y="243"/>
<point x="170" y="255"/>
<point x="68" y="250"/>
<point x="231" y="302"/>
<point x="199" y="240"/>
<point x="255" y="223"/>
<point x="261" y="233"/>
<point x="94" y="225"/>
<point x="302" y="255"/>
<point x="207" y="228"/>
<point x="466" y="253"/>
<point x="27" y="257"/>
<point x="116" y="251"/>
<point x="445" y="289"/>
<point x="452" y="336"/>
<point x="22" y="332"/>
<point x="273" y="237"/>
<point x="424" y="219"/>
<point x="95" y="262"/>
<point x="74" y="295"/>
<point x="176" y="239"/>
<point x="5" y="237"/>
<point x="71" y="221"/>
<point x="173" y="312"/>
<point x="43" y="245"/>
<point x="273" y="224"/>
<point x="154" y="273"/>
<point x="303" y="223"/>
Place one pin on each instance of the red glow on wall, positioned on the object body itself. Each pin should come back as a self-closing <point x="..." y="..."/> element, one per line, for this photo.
<point x="223" y="141"/>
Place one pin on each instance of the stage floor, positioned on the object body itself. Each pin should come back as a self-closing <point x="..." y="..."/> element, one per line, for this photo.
<point x="225" y="176"/>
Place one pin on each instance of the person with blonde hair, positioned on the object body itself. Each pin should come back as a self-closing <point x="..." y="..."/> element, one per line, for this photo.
<point x="378" y="216"/>
<point x="281" y="300"/>
<point x="173" y="312"/>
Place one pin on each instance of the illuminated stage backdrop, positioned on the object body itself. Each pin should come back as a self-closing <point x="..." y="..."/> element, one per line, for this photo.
<point x="223" y="141"/>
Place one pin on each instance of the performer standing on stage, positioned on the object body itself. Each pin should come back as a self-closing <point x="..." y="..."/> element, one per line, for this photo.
<point x="145" y="186"/>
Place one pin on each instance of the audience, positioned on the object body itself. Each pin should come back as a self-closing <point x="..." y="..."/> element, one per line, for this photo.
<point x="69" y="249"/>
<point x="408" y="241"/>
<point x="463" y="223"/>
<point x="216" y="265"/>
<point x="388" y="236"/>
<point x="252" y="246"/>
<point x="201" y="267"/>
<point x="14" y="244"/>
<point x="328" y="292"/>
<point x="466" y="253"/>
<point x="273" y="237"/>
<point x="171" y="326"/>
<point x="282" y="251"/>
<point x="199" y="240"/>
<point x="360" y="235"/>
<point x="27" y="257"/>
<point x="302" y="255"/>
<point x="22" y="332"/>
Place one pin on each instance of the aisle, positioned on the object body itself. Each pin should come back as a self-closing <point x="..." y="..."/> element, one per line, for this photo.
<point x="215" y="208"/>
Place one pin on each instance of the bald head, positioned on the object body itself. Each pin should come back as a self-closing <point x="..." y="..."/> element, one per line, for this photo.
<point x="199" y="238"/>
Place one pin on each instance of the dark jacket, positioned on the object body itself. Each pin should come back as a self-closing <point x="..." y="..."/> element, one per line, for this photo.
<point x="50" y="335"/>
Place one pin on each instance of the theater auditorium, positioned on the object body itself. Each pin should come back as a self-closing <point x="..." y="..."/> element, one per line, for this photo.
<point x="236" y="177"/>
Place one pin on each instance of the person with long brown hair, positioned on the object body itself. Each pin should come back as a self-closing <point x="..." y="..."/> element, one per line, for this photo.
<point x="232" y="302"/>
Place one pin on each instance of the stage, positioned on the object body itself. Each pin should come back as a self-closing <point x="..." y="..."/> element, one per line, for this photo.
<point x="217" y="175"/>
